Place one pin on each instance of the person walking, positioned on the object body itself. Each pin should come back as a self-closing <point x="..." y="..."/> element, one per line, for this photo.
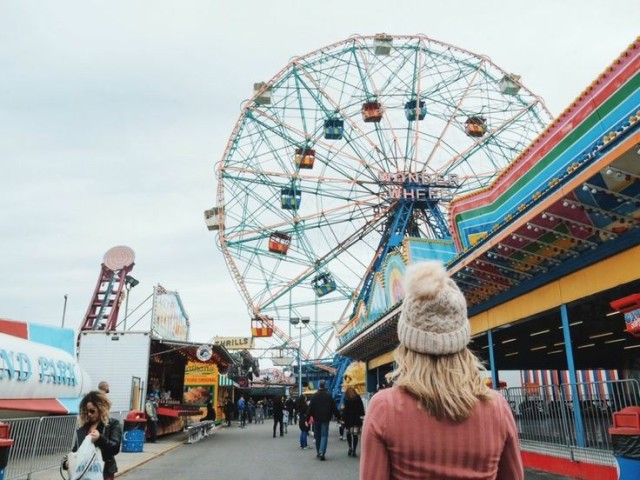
<point x="242" y="408"/>
<point x="303" y="421"/>
<point x="289" y="406"/>
<point x="105" y="432"/>
<point x="285" y="415"/>
<point x="151" y="409"/>
<point x="228" y="411"/>
<point x="439" y="419"/>
<point x="352" y="415"/>
<point x="322" y="408"/>
<point x="260" y="412"/>
<point x="278" y="408"/>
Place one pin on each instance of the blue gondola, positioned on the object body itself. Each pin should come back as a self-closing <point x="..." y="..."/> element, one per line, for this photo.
<point x="290" y="198"/>
<point x="333" y="129"/>
<point x="323" y="284"/>
<point x="410" y="110"/>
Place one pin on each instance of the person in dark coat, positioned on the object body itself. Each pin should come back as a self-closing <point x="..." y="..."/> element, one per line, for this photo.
<point x="211" y="412"/>
<point x="322" y="408"/>
<point x="278" y="407"/>
<point x="105" y="432"/>
<point x="303" y="421"/>
<point x="229" y="410"/>
<point x="352" y="418"/>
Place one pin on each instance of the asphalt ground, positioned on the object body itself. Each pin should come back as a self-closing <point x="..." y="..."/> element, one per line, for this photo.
<point x="249" y="453"/>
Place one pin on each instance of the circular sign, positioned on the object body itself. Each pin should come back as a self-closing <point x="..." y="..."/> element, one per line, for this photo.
<point x="204" y="353"/>
<point x="118" y="257"/>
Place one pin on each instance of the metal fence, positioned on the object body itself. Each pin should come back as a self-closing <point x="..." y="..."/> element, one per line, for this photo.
<point x="40" y="443"/>
<point x="571" y="420"/>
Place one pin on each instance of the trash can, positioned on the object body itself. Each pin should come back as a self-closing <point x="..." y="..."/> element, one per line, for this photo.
<point x="625" y="436"/>
<point x="133" y="431"/>
<point x="5" y="446"/>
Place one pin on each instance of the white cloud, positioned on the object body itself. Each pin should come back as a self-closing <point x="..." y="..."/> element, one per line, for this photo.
<point x="113" y="114"/>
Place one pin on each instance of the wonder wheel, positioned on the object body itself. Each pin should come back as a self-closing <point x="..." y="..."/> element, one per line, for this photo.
<point x="346" y="151"/>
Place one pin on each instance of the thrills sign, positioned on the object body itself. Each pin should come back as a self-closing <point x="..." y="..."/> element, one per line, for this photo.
<point x="235" y="343"/>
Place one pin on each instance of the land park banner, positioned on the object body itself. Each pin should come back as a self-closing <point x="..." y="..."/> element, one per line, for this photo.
<point x="234" y="343"/>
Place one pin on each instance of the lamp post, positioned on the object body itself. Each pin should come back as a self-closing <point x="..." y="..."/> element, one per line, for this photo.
<point x="129" y="283"/>
<point x="295" y="321"/>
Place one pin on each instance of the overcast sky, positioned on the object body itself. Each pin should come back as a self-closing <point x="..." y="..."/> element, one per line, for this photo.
<point x="114" y="113"/>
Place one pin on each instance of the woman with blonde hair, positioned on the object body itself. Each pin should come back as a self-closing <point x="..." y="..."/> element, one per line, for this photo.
<point x="105" y="432"/>
<point x="440" y="420"/>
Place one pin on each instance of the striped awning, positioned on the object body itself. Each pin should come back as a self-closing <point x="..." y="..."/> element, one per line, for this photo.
<point x="224" y="381"/>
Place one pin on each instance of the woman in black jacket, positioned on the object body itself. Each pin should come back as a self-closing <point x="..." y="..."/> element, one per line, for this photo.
<point x="105" y="432"/>
<point x="303" y="421"/>
<point x="352" y="415"/>
<point x="278" y="407"/>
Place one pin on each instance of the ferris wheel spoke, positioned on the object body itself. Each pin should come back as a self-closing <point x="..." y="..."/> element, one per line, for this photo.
<point x="353" y="141"/>
<point x="455" y="161"/>
<point x="452" y="118"/>
<point x="313" y="175"/>
<point x="330" y="255"/>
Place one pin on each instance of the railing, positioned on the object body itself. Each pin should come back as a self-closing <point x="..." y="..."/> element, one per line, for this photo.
<point x="40" y="443"/>
<point x="571" y="420"/>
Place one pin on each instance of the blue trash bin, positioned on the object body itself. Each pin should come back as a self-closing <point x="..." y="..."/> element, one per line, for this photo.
<point x="625" y="437"/>
<point x="133" y="432"/>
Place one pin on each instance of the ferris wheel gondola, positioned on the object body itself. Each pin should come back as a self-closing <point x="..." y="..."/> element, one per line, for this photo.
<point x="313" y="184"/>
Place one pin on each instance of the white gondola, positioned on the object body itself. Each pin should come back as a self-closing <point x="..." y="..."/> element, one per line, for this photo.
<point x="264" y="94"/>
<point x="212" y="218"/>
<point x="382" y="44"/>
<point x="510" y="84"/>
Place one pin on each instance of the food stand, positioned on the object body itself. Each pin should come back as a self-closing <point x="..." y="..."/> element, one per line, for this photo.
<point x="161" y="360"/>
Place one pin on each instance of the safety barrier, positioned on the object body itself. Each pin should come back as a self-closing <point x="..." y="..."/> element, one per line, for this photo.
<point x="571" y="420"/>
<point x="40" y="443"/>
<point x="197" y="431"/>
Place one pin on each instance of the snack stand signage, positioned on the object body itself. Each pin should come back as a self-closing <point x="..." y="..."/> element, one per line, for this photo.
<point x="630" y="307"/>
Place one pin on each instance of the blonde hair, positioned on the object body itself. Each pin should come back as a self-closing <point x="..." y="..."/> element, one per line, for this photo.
<point x="446" y="386"/>
<point x="100" y="401"/>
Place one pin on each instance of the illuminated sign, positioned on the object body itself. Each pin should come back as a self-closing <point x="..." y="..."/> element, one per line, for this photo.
<point x="416" y="186"/>
<point x="196" y="373"/>
<point x="632" y="320"/>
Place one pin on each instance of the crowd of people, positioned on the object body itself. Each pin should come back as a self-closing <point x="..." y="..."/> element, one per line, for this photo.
<point x="439" y="419"/>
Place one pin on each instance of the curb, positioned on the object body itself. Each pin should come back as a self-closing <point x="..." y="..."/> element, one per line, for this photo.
<point x="142" y="462"/>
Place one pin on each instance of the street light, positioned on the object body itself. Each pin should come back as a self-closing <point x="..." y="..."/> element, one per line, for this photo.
<point x="295" y="321"/>
<point x="129" y="283"/>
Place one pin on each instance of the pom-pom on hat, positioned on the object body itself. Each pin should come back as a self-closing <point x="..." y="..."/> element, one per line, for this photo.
<point x="434" y="311"/>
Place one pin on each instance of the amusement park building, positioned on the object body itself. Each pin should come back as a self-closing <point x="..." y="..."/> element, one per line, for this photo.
<point x="544" y="252"/>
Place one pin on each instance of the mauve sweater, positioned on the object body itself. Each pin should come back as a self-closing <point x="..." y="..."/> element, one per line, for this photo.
<point x="401" y="442"/>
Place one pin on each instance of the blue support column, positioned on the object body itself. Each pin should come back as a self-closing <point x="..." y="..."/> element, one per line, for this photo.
<point x="568" y="348"/>
<point x="492" y="363"/>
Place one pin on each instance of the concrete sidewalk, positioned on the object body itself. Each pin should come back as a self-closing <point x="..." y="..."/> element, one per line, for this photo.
<point x="130" y="461"/>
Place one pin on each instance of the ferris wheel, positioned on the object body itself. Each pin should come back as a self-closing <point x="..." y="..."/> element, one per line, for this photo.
<point x="320" y="176"/>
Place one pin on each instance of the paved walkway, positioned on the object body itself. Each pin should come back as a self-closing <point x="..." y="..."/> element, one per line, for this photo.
<point x="134" y="463"/>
